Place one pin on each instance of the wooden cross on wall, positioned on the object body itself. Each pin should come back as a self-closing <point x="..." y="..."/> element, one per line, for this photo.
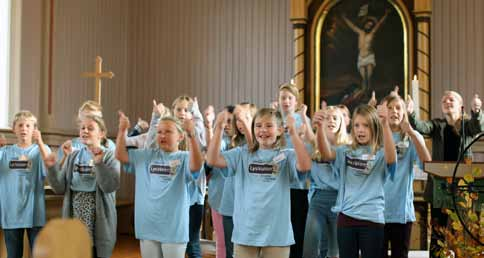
<point x="98" y="74"/>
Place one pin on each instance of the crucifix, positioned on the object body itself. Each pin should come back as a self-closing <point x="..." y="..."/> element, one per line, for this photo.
<point x="98" y="74"/>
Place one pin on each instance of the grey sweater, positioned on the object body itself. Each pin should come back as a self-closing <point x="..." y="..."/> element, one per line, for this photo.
<point x="107" y="180"/>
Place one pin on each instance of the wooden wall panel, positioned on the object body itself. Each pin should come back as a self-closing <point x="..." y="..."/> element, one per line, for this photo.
<point x="222" y="51"/>
<point x="83" y="30"/>
<point x="457" y="50"/>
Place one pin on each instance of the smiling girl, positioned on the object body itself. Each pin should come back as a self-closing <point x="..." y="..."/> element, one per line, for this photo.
<point x="89" y="179"/>
<point x="262" y="177"/>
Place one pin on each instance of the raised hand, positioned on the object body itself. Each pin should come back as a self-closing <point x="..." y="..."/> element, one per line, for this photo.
<point x="372" y="102"/>
<point x="123" y="122"/>
<point x="319" y="118"/>
<point x="274" y="104"/>
<point x="221" y="119"/>
<point x="50" y="160"/>
<point x="290" y="124"/>
<point x="394" y="92"/>
<point x="67" y="147"/>
<point x="382" y="112"/>
<point x="476" y="103"/>
<point x="37" y="136"/>
<point x="189" y="127"/>
<point x="97" y="154"/>
<point x="303" y="110"/>
<point x="409" y="104"/>
<point x="405" y="125"/>
<point x="159" y="108"/>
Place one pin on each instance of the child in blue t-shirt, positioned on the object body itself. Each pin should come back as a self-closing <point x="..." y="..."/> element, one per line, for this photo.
<point x="162" y="197"/>
<point x="362" y="168"/>
<point x="88" y="108"/>
<point x="22" y="175"/>
<point x="288" y="96"/>
<point x="262" y="177"/>
<point x="411" y="151"/>
<point x="320" y="237"/>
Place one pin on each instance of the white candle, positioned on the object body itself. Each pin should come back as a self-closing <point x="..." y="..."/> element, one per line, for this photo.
<point x="416" y="105"/>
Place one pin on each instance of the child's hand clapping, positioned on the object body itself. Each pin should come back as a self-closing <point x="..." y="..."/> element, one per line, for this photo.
<point x="382" y="111"/>
<point x="50" y="160"/>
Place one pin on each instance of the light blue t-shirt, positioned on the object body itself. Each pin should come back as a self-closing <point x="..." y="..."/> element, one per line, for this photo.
<point x="83" y="176"/>
<point x="362" y="176"/>
<point x="323" y="177"/>
<point x="287" y="138"/>
<point x="161" y="194"/>
<point x="399" y="191"/>
<point x="22" y="175"/>
<point x="262" y="195"/>
<point x="216" y="184"/>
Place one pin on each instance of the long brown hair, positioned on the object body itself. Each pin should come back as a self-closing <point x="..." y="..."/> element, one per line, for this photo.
<point x="376" y="129"/>
<point x="263" y="112"/>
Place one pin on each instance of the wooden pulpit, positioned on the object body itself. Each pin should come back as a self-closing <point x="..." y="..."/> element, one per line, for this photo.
<point x="445" y="169"/>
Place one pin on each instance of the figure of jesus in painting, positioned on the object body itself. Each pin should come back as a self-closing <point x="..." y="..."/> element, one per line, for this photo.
<point x="366" y="56"/>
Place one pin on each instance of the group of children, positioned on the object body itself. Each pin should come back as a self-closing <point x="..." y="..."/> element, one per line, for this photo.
<point x="279" y="184"/>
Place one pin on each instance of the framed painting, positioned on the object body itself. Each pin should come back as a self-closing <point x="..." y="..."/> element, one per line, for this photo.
<point x="360" y="47"/>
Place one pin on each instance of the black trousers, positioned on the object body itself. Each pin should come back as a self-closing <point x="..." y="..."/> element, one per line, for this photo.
<point x="398" y="235"/>
<point x="299" y="212"/>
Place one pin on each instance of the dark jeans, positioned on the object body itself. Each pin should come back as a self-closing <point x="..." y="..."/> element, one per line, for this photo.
<point x="228" y="228"/>
<point x="14" y="240"/>
<point x="299" y="212"/>
<point x="399" y="236"/>
<point x="438" y="219"/>
<point x="368" y="239"/>
<point x="193" y="247"/>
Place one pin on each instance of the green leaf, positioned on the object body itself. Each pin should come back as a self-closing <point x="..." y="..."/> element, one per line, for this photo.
<point x="477" y="171"/>
<point x="469" y="178"/>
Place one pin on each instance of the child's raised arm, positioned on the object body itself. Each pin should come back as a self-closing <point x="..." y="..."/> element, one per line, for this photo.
<point x="422" y="151"/>
<point x="121" y="153"/>
<point x="196" y="158"/>
<point x="37" y="136"/>
<point x="303" y="160"/>
<point x="214" y="158"/>
<point x="388" y="144"/>
<point x="324" y="147"/>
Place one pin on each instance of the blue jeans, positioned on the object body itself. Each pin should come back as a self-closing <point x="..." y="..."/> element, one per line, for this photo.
<point x="14" y="240"/>
<point x="320" y="237"/>
<point x="228" y="228"/>
<point x="368" y="239"/>
<point x="193" y="247"/>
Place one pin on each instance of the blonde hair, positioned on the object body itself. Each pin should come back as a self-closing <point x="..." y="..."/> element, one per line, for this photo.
<point x="268" y="112"/>
<point x="182" y="98"/>
<point x="291" y="88"/>
<point x="341" y="134"/>
<point x="183" y="144"/>
<point x="92" y="107"/>
<point x="453" y="93"/>
<point x="376" y="130"/>
<point x="102" y="126"/>
<point x="25" y="114"/>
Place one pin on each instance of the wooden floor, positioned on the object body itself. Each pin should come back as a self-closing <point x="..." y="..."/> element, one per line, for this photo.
<point x="128" y="247"/>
